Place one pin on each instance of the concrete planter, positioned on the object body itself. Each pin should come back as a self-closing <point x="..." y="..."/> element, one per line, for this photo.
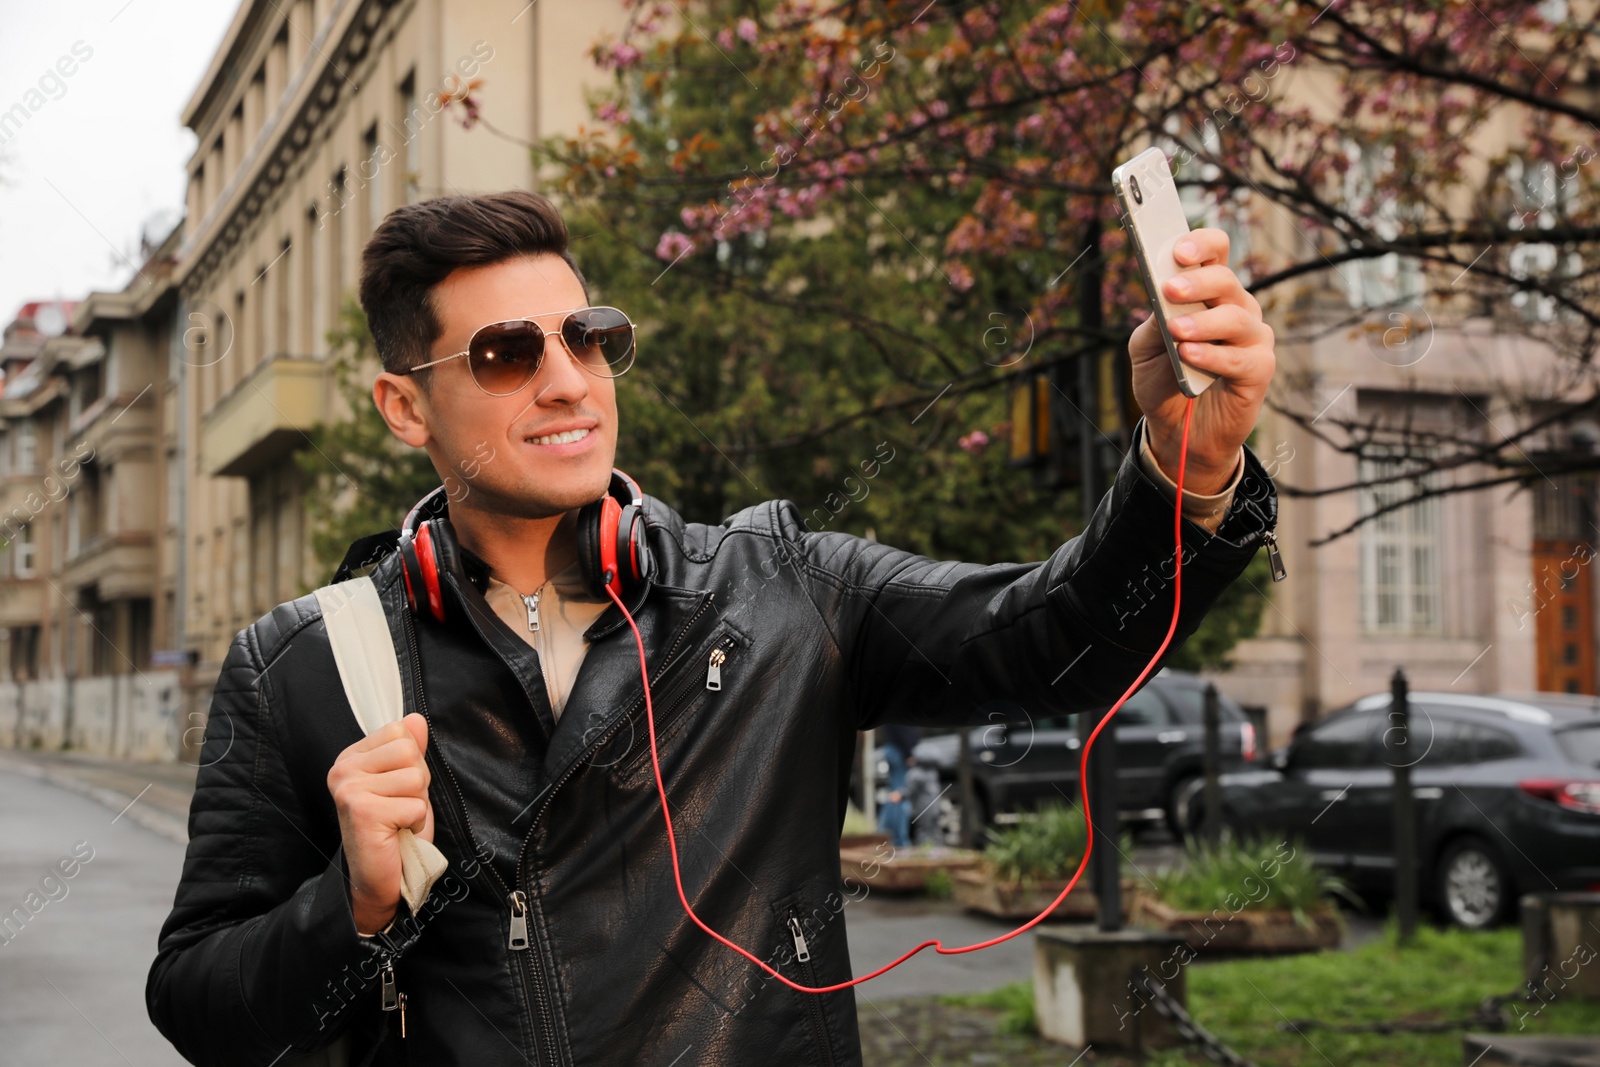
<point x="903" y="870"/>
<point x="980" y="890"/>
<point x="1246" y="930"/>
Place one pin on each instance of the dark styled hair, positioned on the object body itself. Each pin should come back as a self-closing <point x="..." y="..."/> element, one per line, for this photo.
<point x="417" y="246"/>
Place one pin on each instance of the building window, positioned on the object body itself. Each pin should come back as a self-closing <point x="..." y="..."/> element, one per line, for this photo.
<point x="411" y="119"/>
<point x="1401" y="591"/>
<point x="370" y="171"/>
<point x="24" y="653"/>
<point x="24" y="552"/>
<point x="1539" y="201"/>
<point x="27" y="448"/>
<point x="1389" y="279"/>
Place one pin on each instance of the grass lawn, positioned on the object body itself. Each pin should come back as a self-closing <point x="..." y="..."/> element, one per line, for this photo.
<point x="1443" y="976"/>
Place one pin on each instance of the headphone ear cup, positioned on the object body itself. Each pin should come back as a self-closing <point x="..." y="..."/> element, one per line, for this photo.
<point x="589" y="548"/>
<point x="410" y="571"/>
<point x="633" y="552"/>
<point x="429" y="547"/>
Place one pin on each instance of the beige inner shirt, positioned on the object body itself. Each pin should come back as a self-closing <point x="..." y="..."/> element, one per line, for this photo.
<point x="566" y="608"/>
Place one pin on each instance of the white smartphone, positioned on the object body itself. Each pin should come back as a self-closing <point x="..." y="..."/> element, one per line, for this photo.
<point x="1153" y="216"/>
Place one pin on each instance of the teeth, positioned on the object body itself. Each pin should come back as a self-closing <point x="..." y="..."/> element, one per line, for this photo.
<point x="560" y="438"/>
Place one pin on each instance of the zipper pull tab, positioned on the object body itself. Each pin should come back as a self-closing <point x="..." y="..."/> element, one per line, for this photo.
<point x="714" y="669"/>
<point x="801" y="952"/>
<point x="391" y="1000"/>
<point x="532" y="603"/>
<point x="519" y="920"/>
<point x="402" y="1016"/>
<point x="1274" y="557"/>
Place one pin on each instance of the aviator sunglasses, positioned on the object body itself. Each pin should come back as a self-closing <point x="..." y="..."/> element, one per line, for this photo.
<point x="504" y="356"/>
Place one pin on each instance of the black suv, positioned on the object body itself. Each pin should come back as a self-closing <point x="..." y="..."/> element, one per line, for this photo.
<point x="1159" y="733"/>
<point x="1507" y="790"/>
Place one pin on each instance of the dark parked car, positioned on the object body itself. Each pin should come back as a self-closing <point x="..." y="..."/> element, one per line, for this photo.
<point x="1017" y="766"/>
<point x="1507" y="796"/>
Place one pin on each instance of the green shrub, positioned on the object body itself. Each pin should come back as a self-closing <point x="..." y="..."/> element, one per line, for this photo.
<point x="937" y="885"/>
<point x="1250" y="874"/>
<point x="1043" y="848"/>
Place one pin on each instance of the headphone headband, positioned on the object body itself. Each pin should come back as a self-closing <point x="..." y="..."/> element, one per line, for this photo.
<point x="612" y="550"/>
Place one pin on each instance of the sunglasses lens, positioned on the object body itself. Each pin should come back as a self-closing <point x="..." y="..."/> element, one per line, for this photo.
<point x="504" y="356"/>
<point x="602" y="338"/>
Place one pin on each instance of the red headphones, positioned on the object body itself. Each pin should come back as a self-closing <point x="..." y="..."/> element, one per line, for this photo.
<point x="612" y="550"/>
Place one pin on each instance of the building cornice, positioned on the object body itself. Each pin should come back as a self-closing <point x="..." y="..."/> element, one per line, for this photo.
<point x="314" y="91"/>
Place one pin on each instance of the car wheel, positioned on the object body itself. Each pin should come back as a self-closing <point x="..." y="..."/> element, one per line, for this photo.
<point x="1473" y="888"/>
<point x="1180" y="802"/>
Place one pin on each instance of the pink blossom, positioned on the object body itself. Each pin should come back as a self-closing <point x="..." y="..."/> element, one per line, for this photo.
<point x="974" y="442"/>
<point x="748" y="30"/>
<point x="673" y="244"/>
<point x="725" y="37"/>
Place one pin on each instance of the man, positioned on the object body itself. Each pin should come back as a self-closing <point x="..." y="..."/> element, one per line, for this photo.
<point x="556" y="936"/>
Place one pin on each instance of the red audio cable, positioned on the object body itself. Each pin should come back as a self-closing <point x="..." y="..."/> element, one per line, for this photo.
<point x="1083" y="762"/>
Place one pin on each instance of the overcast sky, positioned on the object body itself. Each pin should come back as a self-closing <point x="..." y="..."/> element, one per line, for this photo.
<point x="102" y="150"/>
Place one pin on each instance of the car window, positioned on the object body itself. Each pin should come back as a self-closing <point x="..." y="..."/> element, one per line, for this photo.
<point x="1144" y="708"/>
<point x="1489" y="744"/>
<point x="1189" y="705"/>
<point x="1348" y="741"/>
<point x="1582" y="744"/>
<point x="1455" y="741"/>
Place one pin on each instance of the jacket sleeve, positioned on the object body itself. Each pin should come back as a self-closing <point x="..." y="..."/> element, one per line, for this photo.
<point x="934" y="643"/>
<point x="260" y="952"/>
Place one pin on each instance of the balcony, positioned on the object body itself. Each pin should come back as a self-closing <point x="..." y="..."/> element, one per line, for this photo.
<point x="21" y="602"/>
<point x="265" y="417"/>
<point x="120" y="565"/>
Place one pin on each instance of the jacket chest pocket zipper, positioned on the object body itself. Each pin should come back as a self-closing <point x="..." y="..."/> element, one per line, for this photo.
<point x="681" y="693"/>
<point x="808" y="976"/>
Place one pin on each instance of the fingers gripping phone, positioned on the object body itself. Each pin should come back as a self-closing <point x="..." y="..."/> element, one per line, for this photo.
<point x="1153" y="216"/>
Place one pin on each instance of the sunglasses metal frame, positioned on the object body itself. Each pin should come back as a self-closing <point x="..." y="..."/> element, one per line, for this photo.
<point x="546" y="341"/>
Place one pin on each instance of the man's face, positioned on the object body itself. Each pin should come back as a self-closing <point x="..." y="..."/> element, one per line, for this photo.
<point x="486" y="448"/>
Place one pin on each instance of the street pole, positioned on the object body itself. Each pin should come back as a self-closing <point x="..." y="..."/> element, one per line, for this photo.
<point x="971" y="832"/>
<point x="1211" y="827"/>
<point x="869" y="777"/>
<point x="1105" y="867"/>
<point x="1398" y="737"/>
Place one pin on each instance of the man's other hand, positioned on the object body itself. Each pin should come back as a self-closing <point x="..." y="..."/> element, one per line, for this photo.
<point x="380" y="785"/>
<point x="1242" y="361"/>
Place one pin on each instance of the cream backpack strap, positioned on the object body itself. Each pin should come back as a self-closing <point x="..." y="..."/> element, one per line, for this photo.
<point x="363" y="649"/>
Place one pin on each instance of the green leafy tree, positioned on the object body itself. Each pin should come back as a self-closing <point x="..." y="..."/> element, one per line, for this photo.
<point x="360" y="478"/>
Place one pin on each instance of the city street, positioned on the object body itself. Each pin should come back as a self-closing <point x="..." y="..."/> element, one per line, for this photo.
<point x="72" y="975"/>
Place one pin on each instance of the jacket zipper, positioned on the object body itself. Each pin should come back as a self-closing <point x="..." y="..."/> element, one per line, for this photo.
<point x="664" y="714"/>
<point x="390" y="997"/>
<point x="1274" y="557"/>
<point x="529" y="972"/>
<point x="522" y="854"/>
<point x="802" y="955"/>
<point x="531" y="602"/>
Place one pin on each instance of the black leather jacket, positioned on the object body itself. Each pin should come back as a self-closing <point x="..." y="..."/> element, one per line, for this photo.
<point x="823" y="634"/>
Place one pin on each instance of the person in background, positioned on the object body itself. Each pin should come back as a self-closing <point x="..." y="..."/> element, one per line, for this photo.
<point x="894" y="818"/>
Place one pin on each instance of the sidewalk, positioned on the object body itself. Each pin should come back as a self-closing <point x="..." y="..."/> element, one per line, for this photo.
<point x="154" y="795"/>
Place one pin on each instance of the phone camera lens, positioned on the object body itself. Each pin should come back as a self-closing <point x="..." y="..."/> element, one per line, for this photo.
<point x="1133" y="186"/>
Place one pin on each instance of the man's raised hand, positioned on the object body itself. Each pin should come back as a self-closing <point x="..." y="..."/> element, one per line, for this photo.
<point x="1243" y="362"/>
<point x="379" y="786"/>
